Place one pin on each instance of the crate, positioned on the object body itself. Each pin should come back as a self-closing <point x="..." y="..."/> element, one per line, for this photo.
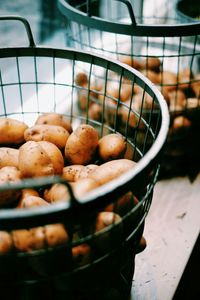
<point x="80" y="260"/>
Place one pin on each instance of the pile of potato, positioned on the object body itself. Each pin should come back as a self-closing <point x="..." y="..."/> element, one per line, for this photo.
<point x="181" y="92"/>
<point x="52" y="147"/>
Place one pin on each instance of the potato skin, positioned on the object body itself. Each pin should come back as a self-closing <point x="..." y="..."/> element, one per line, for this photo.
<point x="50" y="133"/>
<point x="11" y="131"/>
<point x="9" y="174"/>
<point x="32" y="201"/>
<point x="8" y="157"/>
<point x="81" y="145"/>
<point x="111" y="170"/>
<point x="57" y="192"/>
<point x="111" y="146"/>
<point x="55" y="155"/>
<point x="56" y="234"/>
<point x="70" y="173"/>
<point x="6" y="243"/>
<point x="34" y="161"/>
<point x="54" y="119"/>
<point x="26" y="193"/>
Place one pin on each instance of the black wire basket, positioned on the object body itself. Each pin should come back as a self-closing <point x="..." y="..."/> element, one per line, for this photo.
<point x="165" y="49"/>
<point x="64" y="250"/>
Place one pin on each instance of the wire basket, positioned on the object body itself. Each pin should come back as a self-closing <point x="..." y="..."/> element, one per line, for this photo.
<point x="58" y="250"/>
<point x="166" y="50"/>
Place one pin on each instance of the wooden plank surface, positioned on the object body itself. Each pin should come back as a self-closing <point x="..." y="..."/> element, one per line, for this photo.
<point x="171" y="229"/>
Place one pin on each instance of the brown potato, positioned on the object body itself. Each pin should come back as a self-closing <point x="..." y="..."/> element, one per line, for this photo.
<point x="131" y="61"/>
<point x="22" y="239"/>
<point x="152" y="76"/>
<point x="83" y="186"/>
<point x="56" y="234"/>
<point x="122" y="92"/>
<point x="111" y="146"/>
<point x="169" y="80"/>
<point x="8" y="157"/>
<point x="184" y="78"/>
<point x="70" y="173"/>
<point x="95" y="112"/>
<point x="8" y="175"/>
<point x="26" y="193"/>
<point x="177" y="99"/>
<point x="111" y="170"/>
<point x="54" y="119"/>
<point x="50" y="133"/>
<point x="34" y="161"/>
<point x="85" y="171"/>
<point x="55" y="155"/>
<point x="11" y="131"/>
<point x="152" y="63"/>
<point x="196" y="85"/>
<point x="81" y="254"/>
<point x="32" y="201"/>
<point x="122" y="205"/>
<point x="81" y="145"/>
<point x="57" y="192"/>
<point x="81" y="79"/>
<point x="38" y="238"/>
<point x="6" y="243"/>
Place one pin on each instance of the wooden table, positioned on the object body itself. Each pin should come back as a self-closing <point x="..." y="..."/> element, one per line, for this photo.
<point x="171" y="230"/>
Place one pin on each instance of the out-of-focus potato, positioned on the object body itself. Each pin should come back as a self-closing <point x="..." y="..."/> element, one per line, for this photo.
<point x="184" y="78"/>
<point x="55" y="155"/>
<point x="56" y="234"/>
<point x="131" y="61"/>
<point x="83" y="186"/>
<point x="32" y="201"/>
<point x="81" y="145"/>
<point x="111" y="146"/>
<point x="6" y="243"/>
<point x="195" y="85"/>
<point x="8" y="175"/>
<point x="34" y="161"/>
<point x="26" y="193"/>
<point x="81" y="254"/>
<point x="111" y="170"/>
<point x="169" y="80"/>
<point x="11" y="131"/>
<point x="151" y="63"/>
<point x="22" y="240"/>
<point x="57" y="192"/>
<point x="50" y="133"/>
<point x="8" y="157"/>
<point x="54" y="119"/>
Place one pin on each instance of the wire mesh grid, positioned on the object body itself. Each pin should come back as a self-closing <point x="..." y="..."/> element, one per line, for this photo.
<point x="59" y="247"/>
<point x="166" y="50"/>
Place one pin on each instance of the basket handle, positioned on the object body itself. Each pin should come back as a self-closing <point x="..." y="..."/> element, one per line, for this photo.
<point x="26" y="25"/>
<point x="126" y="2"/>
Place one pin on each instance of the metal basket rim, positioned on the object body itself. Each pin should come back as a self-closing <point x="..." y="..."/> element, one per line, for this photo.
<point x="160" y="30"/>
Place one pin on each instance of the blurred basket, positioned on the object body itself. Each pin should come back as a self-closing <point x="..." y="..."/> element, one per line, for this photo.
<point x="165" y="49"/>
<point x="36" y="80"/>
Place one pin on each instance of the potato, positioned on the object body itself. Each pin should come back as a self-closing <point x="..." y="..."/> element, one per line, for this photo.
<point x="85" y="171"/>
<point x="8" y="175"/>
<point x="131" y="61"/>
<point x="141" y="246"/>
<point x="81" y="145"/>
<point x="26" y="193"/>
<point x="122" y="92"/>
<point x="70" y="173"/>
<point x="50" y="133"/>
<point x="184" y="78"/>
<point x="34" y="161"/>
<point x="81" y="254"/>
<point x="6" y="243"/>
<point x="57" y="192"/>
<point x="177" y="99"/>
<point x="195" y="85"/>
<point x="8" y="157"/>
<point x="111" y="146"/>
<point x="56" y="234"/>
<point x="180" y="122"/>
<point x="152" y="76"/>
<point x="169" y="79"/>
<point x="55" y="155"/>
<point x="95" y="112"/>
<point x="54" y="119"/>
<point x="106" y="239"/>
<point x="111" y="170"/>
<point x="81" y="79"/>
<point x="11" y="131"/>
<point x="122" y="205"/>
<point x="22" y="239"/>
<point x="152" y="63"/>
<point x="38" y="238"/>
<point x="32" y="201"/>
<point x="83" y="186"/>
